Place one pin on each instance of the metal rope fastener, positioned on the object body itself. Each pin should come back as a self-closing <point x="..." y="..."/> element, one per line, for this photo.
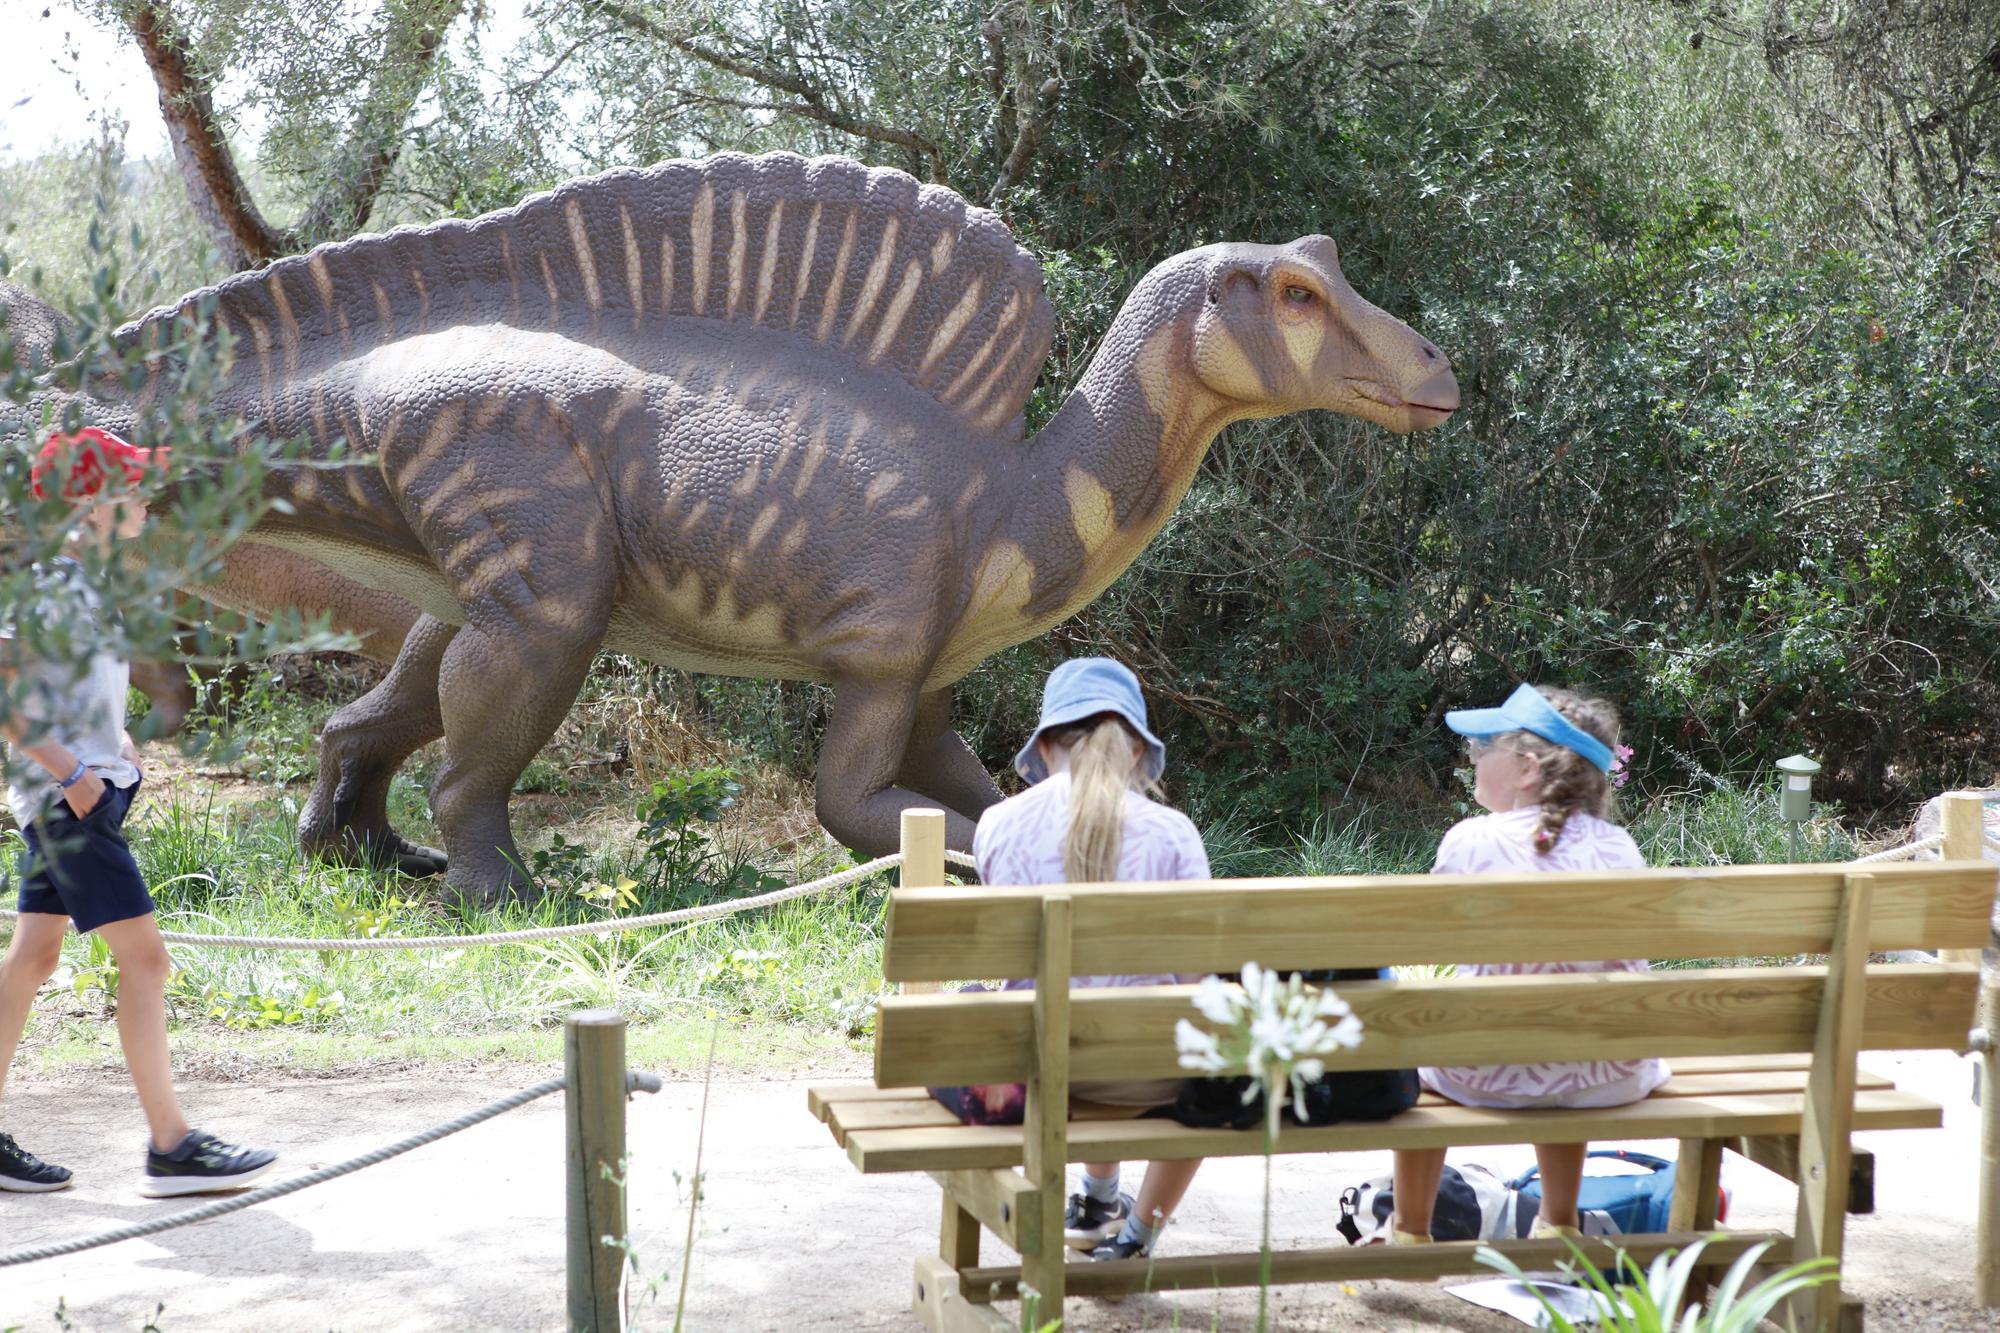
<point x="634" y="1082"/>
<point x="611" y="926"/>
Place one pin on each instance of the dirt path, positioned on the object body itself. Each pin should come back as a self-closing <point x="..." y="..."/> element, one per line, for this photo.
<point x="466" y="1234"/>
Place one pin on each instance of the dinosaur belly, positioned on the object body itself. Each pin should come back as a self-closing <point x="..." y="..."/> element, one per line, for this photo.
<point x="410" y="577"/>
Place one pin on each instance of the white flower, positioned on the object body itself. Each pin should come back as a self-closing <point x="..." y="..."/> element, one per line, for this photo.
<point x="1276" y="1030"/>
<point x="1199" y="1050"/>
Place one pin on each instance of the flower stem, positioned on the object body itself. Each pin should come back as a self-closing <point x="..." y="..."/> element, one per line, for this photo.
<point x="1274" y="1105"/>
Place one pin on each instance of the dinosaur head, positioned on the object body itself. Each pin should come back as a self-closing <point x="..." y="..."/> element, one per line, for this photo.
<point x="1279" y="328"/>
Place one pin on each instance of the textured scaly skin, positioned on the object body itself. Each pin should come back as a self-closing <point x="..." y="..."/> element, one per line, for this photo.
<point x="754" y="416"/>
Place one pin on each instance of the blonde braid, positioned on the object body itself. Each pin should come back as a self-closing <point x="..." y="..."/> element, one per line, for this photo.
<point x="1571" y="783"/>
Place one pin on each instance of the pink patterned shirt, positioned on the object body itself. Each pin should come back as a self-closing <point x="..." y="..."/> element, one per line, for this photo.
<point x="1020" y="841"/>
<point x="1506" y="842"/>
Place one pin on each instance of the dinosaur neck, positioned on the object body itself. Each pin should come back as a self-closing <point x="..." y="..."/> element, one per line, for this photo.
<point x="1111" y="467"/>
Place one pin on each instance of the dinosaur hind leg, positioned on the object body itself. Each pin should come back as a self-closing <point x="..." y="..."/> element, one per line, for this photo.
<point x="861" y="762"/>
<point x="940" y="765"/>
<point x="364" y="744"/>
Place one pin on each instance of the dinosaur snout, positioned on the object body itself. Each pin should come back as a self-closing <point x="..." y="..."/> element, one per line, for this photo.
<point x="1434" y="400"/>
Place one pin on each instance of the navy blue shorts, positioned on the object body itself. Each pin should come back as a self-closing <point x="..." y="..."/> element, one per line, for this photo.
<point x="83" y="868"/>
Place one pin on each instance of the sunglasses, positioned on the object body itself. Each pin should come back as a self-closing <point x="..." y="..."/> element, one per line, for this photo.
<point x="1478" y="747"/>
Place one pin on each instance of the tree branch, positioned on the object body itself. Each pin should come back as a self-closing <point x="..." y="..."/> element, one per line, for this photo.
<point x="813" y="104"/>
<point x="375" y="139"/>
<point x="214" y="186"/>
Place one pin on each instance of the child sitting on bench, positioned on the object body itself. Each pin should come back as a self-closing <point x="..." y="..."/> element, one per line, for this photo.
<point x="1084" y="819"/>
<point x="1542" y="764"/>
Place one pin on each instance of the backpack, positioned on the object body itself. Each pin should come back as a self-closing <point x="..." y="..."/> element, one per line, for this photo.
<point x="1634" y="1204"/>
<point x="1472" y="1204"/>
<point x="1475" y="1204"/>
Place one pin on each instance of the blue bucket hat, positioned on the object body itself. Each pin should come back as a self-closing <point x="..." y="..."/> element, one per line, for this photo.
<point x="1084" y="687"/>
<point x="1527" y="710"/>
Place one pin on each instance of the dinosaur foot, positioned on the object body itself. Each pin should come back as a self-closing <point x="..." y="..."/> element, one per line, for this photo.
<point x="391" y="851"/>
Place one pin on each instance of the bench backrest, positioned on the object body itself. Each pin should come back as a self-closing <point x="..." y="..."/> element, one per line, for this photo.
<point x="1054" y="932"/>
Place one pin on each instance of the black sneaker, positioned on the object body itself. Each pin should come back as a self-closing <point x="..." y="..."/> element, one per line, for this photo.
<point x="1119" y="1248"/>
<point x="202" y="1164"/>
<point x="1088" y="1221"/>
<point x="21" y="1172"/>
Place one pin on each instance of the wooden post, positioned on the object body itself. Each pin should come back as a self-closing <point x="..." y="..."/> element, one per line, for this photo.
<point x="923" y="866"/>
<point x="1986" y="1262"/>
<point x="1965" y="840"/>
<point x="1964" y="828"/>
<point x="1825" y="1135"/>
<point x="1697" y="1187"/>
<point x="594" y="1107"/>
<point x="1045" y="1125"/>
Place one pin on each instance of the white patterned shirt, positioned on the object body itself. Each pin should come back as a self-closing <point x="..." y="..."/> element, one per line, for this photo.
<point x="1505" y="843"/>
<point x="1020" y="841"/>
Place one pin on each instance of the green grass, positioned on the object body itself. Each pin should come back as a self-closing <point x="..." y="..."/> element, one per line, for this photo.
<point x="812" y="964"/>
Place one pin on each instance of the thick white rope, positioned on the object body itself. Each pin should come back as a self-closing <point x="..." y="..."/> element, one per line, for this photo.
<point x="609" y="926"/>
<point x="1909" y="851"/>
<point x="633" y="1083"/>
<point x="1992" y="843"/>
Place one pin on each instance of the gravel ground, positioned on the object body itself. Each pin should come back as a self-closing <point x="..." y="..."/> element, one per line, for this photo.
<point x="466" y="1234"/>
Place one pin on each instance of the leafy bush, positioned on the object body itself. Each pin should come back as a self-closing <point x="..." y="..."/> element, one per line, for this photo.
<point x="1651" y="1300"/>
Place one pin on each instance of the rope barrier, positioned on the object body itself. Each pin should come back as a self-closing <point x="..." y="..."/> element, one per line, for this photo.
<point x="610" y="926"/>
<point x="634" y="1082"/>
<point x="1992" y="843"/>
<point x="1907" y="852"/>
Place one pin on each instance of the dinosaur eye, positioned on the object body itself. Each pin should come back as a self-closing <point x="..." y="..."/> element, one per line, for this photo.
<point x="1299" y="296"/>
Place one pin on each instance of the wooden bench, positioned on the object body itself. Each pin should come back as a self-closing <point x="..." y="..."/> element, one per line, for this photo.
<point x="1764" y="1057"/>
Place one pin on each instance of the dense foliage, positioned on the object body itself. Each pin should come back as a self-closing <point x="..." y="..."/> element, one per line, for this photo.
<point x="1718" y="281"/>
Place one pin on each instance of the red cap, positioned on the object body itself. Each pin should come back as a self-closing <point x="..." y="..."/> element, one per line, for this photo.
<point x="87" y="462"/>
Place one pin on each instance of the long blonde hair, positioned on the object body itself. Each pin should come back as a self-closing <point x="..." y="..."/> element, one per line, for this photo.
<point x="1571" y="783"/>
<point x="1103" y="765"/>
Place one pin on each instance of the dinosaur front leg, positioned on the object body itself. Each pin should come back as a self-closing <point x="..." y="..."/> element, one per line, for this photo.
<point x="363" y="745"/>
<point x="942" y="766"/>
<point x="867" y="737"/>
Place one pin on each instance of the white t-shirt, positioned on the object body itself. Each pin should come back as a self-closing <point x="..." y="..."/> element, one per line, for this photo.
<point x="1020" y="841"/>
<point x="79" y="705"/>
<point x="1506" y="842"/>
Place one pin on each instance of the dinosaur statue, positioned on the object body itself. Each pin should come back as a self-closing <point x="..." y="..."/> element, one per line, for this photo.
<point x="757" y="416"/>
<point x="254" y="578"/>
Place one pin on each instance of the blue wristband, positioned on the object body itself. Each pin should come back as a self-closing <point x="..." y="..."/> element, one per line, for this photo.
<point x="75" y="777"/>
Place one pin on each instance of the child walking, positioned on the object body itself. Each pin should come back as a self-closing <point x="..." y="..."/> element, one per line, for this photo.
<point x="72" y="775"/>
<point x="1085" y="819"/>
<point x="1542" y="763"/>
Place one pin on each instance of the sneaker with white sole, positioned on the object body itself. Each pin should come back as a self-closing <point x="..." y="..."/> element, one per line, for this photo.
<point x="1118" y="1247"/>
<point x="202" y="1164"/>
<point x="1088" y="1222"/>
<point x="21" y="1172"/>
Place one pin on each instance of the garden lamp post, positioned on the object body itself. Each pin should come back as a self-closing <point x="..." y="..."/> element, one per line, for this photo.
<point x="1795" y="794"/>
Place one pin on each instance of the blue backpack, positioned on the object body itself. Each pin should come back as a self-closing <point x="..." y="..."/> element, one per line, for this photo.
<point x="1636" y="1204"/>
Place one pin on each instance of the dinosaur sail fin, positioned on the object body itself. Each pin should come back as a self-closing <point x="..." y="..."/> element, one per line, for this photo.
<point x="864" y="264"/>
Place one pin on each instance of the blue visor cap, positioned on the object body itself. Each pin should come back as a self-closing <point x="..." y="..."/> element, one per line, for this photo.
<point x="1527" y="710"/>
<point x="1084" y="687"/>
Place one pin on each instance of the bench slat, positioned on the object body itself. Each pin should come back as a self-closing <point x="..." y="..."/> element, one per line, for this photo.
<point x="915" y="1107"/>
<point x="1721" y="1117"/>
<point x="1128" y="1032"/>
<point x="1368" y="921"/>
<point x="1119" y="1277"/>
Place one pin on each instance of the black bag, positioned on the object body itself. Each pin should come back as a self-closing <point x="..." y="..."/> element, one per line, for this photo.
<point x="1348" y="1095"/>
